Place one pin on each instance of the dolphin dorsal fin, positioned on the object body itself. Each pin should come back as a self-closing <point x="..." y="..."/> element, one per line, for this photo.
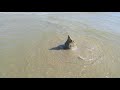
<point x="69" y="39"/>
<point x="68" y="36"/>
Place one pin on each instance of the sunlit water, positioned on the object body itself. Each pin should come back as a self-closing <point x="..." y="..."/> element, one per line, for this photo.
<point x="27" y="39"/>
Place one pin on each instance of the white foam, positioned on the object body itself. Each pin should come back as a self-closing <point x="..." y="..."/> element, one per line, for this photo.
<point x="74" y="48"/>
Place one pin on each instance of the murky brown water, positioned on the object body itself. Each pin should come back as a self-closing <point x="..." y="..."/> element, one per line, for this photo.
<point x="27" y="39"/>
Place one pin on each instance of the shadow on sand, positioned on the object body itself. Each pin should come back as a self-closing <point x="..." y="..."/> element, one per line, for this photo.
<point x="60" y="47"/>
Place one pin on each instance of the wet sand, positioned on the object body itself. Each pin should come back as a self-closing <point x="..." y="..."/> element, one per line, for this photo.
<point x="27" y="39"/>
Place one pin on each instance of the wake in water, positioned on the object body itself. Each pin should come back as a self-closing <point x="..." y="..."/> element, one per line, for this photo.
<point x="87" y="50"/>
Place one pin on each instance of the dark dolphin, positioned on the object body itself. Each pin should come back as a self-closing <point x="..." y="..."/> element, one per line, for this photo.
<point x="69" y="44"/>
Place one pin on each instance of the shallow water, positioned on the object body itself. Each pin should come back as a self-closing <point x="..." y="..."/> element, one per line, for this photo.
<point x="27" y="39"/>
